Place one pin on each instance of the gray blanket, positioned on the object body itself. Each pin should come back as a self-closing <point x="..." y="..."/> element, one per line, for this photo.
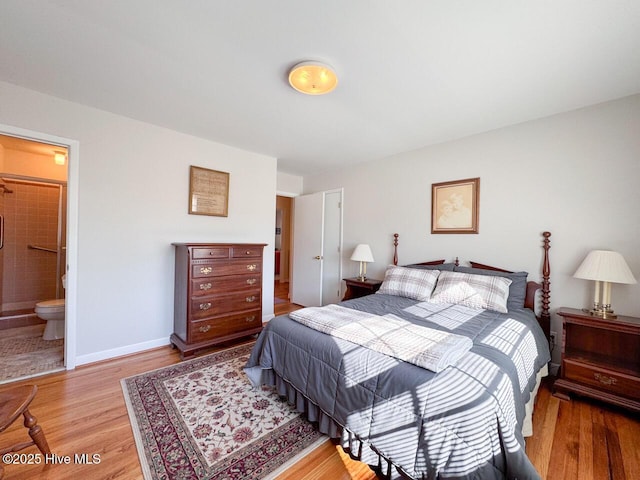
<point x="461" y="423"/>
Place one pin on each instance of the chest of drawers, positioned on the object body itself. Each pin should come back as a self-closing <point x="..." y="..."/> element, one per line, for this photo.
<point x="217" y="294"/>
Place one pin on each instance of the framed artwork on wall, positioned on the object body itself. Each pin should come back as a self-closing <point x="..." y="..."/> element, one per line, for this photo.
<point x="208" y="192"/>
<point x="455" y="205"/>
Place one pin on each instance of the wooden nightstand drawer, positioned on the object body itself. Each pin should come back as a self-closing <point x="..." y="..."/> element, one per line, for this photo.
<point x="606" y="380"/>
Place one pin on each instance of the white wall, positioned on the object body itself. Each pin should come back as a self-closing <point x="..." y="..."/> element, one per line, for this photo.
<point x="289" y="185"/>
<point x="576" y="175"/>
<point x="133" y="185"/>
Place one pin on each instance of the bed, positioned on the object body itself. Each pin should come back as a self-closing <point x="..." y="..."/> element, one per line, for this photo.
<point x="427" y="419"/>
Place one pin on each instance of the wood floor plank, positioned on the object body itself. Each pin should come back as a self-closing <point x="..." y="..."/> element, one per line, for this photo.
<point x="613" y="447"/>
<point x="545" y="414"/>
<point x="629" y="435"/>
<point x="598" y="444"/>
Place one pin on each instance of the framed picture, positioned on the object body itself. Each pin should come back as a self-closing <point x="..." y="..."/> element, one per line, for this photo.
<point x="454" y="206"/>
<point x="208" y="192"/>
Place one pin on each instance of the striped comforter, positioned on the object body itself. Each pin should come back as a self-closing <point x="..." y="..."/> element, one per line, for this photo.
<point x="463" y="422"/>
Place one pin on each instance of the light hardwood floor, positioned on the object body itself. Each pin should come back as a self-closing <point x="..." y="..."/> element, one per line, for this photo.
<point x="83" y="411"/>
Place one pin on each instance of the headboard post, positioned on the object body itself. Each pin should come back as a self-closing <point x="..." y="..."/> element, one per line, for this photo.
<point x="395" y="248"/>
<point x="545" y="317"/>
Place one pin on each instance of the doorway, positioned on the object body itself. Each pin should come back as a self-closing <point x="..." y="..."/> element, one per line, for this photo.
<point x="282" y="254"/>
<point x="33" y="218"/>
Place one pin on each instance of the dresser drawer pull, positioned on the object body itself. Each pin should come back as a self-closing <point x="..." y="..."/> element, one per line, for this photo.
<point x="605" y="379"/>
<point x="250" y="299"/>
<point x="205" y="328"/>
<point x="251" y="281"/>
<point x="248" y="252"/>
<point x="250" y="318"/>
<point x="252" y="267"/>
<point x="205" y="306"/>
<point x="205" y="286"/>
<point x="206" y="270"/>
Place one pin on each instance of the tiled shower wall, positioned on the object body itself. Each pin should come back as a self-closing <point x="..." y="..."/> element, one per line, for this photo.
<point x="31" y="218"/>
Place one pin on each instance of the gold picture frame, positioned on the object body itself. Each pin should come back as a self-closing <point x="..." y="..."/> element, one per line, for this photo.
<point x="208" y="192"/>
<point x="455" y="206"/>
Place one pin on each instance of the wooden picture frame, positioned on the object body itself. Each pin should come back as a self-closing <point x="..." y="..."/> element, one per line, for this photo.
<point x="455" y="206"/>
<point x="208" y="192"/>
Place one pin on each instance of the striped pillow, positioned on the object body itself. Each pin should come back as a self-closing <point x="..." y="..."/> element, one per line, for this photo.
<point x="409" y="282"/>
<point x="474" y="291"/>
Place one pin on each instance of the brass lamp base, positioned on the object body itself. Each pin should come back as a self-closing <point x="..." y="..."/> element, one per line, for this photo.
<point x="601" y="311"/>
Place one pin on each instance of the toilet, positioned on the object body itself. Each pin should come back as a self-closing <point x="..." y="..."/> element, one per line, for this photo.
<point x="53" y="312"/>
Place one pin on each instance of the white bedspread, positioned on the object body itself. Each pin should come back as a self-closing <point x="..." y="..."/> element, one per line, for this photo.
<point x="425" y="347"/>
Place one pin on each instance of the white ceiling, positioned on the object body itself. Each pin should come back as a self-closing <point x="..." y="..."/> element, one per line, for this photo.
<point x="411" y="72"/>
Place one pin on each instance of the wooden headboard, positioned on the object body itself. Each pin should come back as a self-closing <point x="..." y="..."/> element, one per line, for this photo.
<point x="532" y="287"/>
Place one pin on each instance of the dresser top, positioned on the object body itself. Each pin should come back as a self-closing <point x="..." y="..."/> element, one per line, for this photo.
<point x="178" y="244"/>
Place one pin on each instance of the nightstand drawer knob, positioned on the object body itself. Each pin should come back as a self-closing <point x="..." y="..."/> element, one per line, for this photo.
<point x="206" y="270"/>
<point x="251" y="281"/>
<point x="605" y="379"/>
<point x="252" y="267"/>
<point x="205" y="328"/>
<point x="205" y="306"/>
<point x="205" y="286"/>
<point x="250" y="299"/>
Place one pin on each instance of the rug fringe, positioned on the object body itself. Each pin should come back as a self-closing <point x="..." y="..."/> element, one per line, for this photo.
<point x="146" y="471"/>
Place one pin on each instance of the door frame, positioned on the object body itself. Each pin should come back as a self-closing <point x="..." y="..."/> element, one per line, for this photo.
<point x="73" y="156"/>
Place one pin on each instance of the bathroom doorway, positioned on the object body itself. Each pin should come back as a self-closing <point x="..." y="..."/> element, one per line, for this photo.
<point x="282" y="253"/>
<point x="33" y="216"/>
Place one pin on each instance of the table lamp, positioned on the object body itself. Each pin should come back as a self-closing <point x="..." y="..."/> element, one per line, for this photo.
<point x="605" y="267"/>
<point x="362" y="254"/>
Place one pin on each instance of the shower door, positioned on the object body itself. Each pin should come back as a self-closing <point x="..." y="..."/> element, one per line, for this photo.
<point x="32" y="256"/>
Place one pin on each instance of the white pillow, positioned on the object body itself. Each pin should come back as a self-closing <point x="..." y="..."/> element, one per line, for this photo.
<point x="409" y="282"/>
<point x="475" y="291"/>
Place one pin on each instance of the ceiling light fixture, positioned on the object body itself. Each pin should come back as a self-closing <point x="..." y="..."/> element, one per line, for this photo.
<point x="313" y="78"/>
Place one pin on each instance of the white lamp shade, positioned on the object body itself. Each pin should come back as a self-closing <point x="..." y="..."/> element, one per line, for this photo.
<point x="362" y="253"/>
<point x="605" y="266"/>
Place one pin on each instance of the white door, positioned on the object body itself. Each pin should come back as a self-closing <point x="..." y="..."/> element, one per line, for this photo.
<point x="317" y="241"/>
<point x="308" y="214"/>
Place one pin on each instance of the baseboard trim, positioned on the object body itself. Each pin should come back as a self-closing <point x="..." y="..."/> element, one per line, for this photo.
<point x="119" y="352"/>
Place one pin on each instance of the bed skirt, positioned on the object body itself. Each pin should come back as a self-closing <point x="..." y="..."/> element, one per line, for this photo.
<point x="349" y="442"/>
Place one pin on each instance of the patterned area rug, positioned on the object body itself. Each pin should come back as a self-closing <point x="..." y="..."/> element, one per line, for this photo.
<point x="202" y="419"/>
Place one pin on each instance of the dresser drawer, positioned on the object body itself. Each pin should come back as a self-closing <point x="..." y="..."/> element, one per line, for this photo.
<point x="603" y="379"/>
<point x="209" y="306"/>
<point x="209" y="285"/>
<point x="210" y="252"/>
<point x="231" y="267"/>
<point x="216" y="327"/>
<point x="246" y="252"/>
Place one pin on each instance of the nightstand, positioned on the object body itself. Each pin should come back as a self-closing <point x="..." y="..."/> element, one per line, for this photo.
<point x="600" y="358"/>
<point x="359" y="288"/>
